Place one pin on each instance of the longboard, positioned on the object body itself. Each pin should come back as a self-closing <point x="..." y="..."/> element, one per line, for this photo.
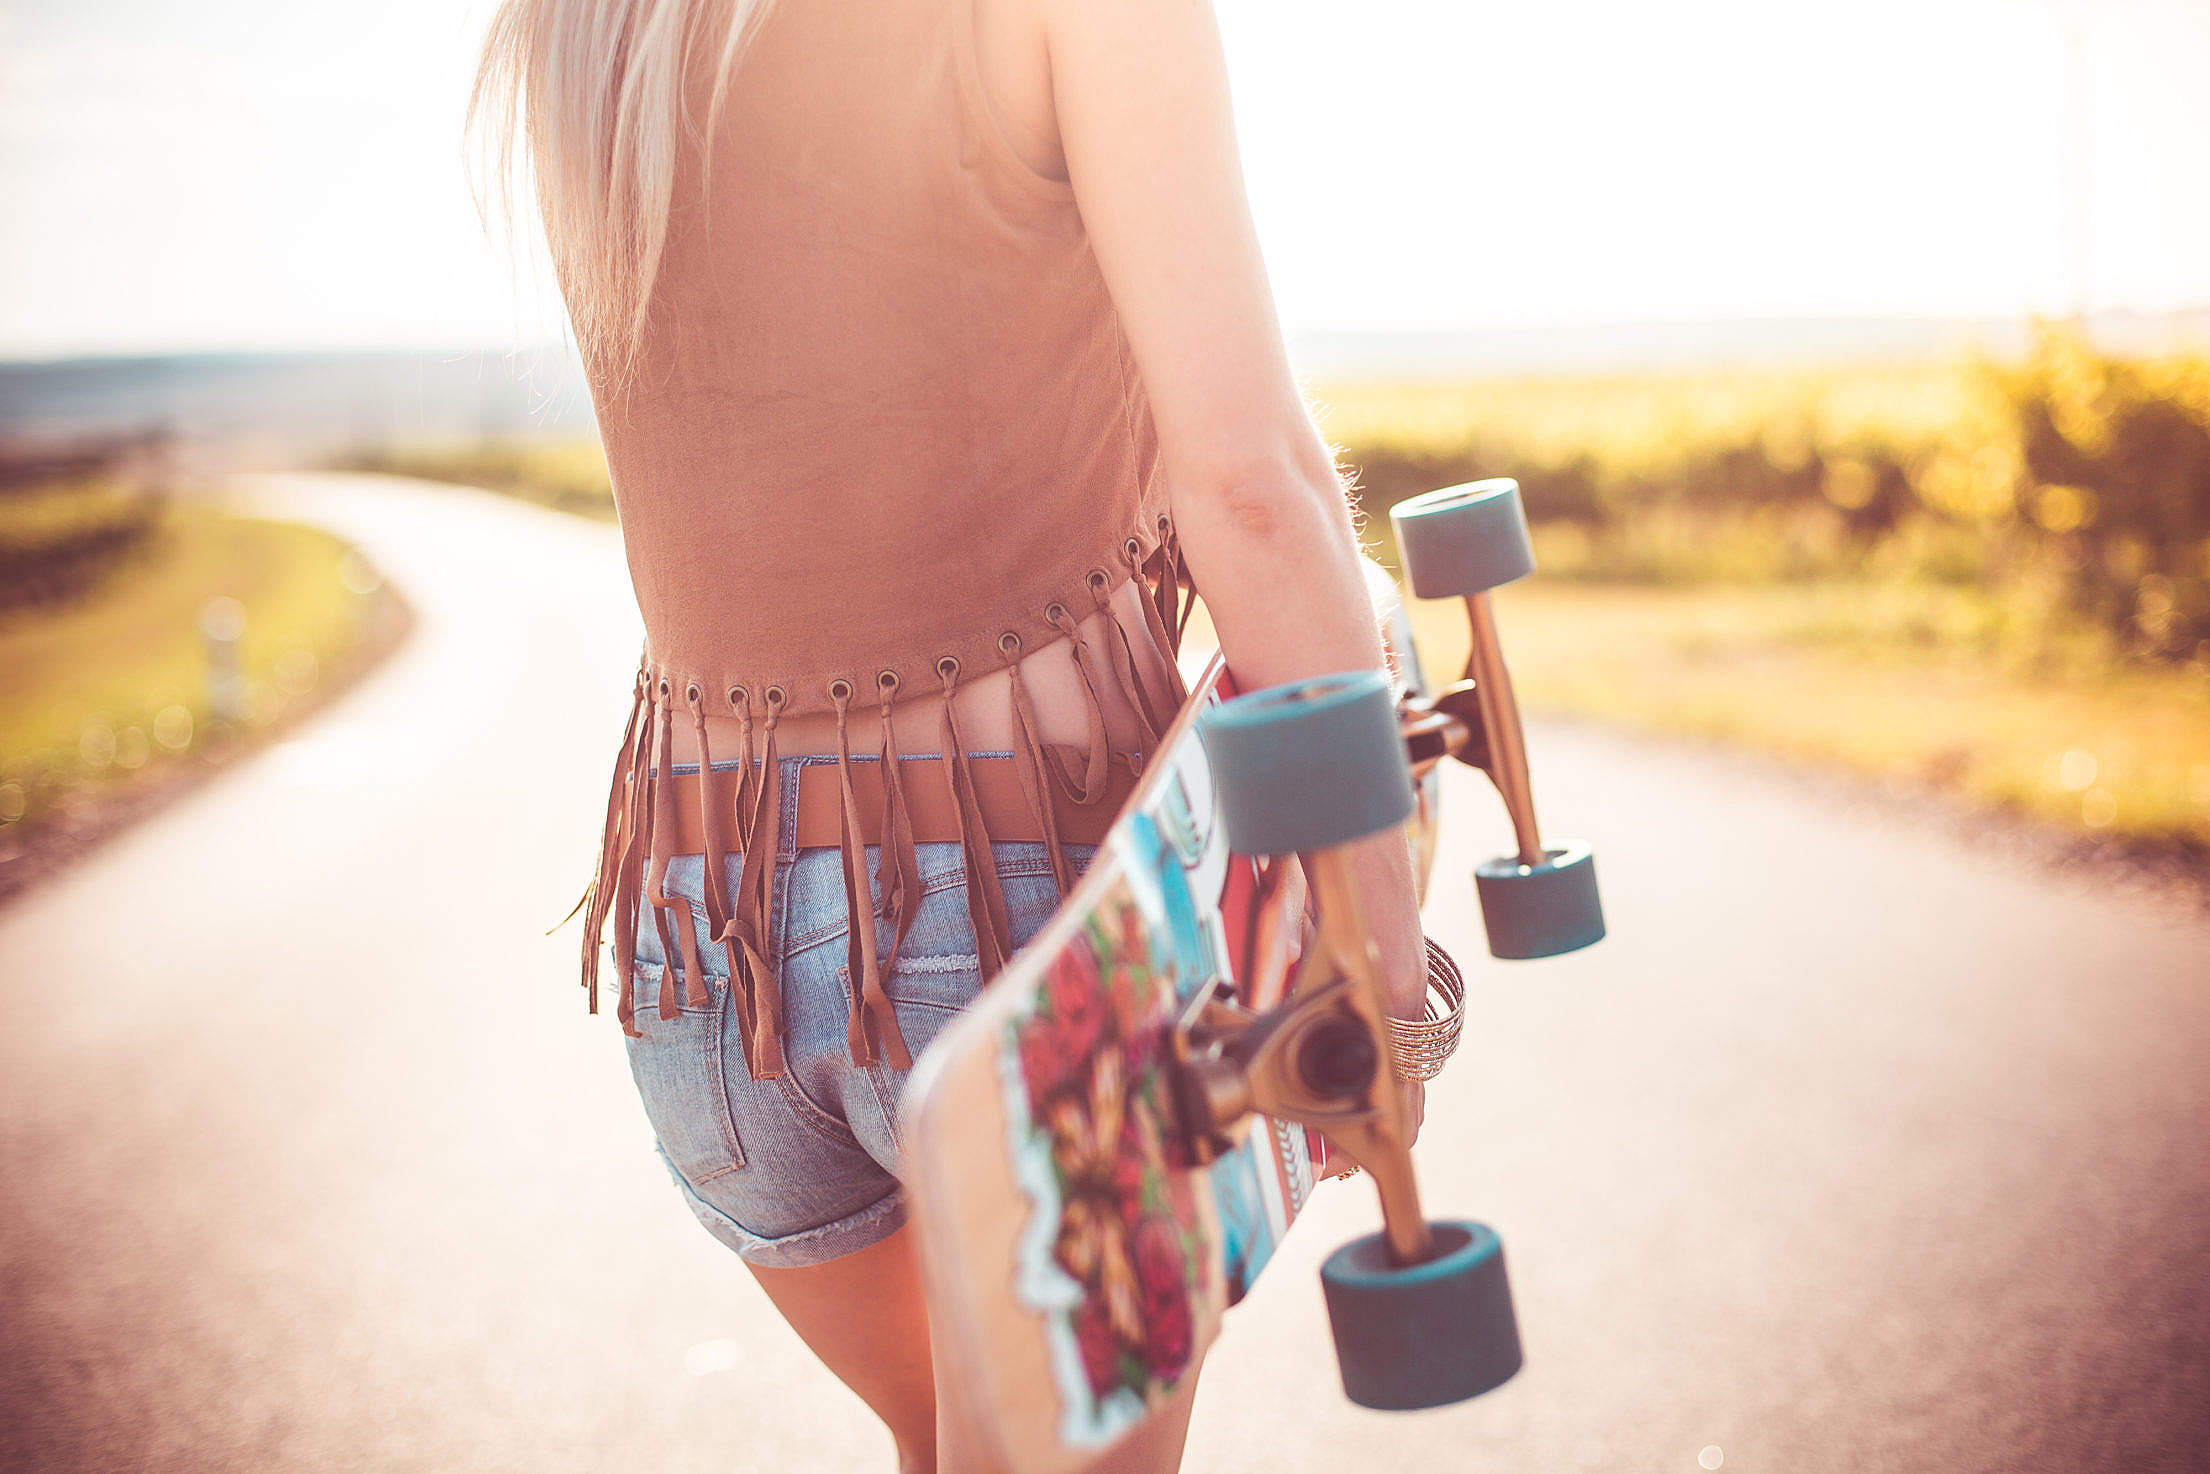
<point x="1078" y="1260"/>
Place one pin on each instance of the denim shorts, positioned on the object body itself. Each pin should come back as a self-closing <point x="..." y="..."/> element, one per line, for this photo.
<point x="801" y="1169"/>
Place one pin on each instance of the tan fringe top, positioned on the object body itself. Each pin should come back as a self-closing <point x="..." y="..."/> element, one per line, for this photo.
<point x="887" y="434"/>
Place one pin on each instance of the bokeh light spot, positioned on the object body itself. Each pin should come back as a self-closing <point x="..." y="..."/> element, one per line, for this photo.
<point x="172" y="727"/>
<point x="2098" y="807"/>
<point x="96" y="745"/>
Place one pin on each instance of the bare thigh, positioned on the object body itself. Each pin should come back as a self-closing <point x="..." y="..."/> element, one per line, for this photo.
<point x="864" y="1316"/>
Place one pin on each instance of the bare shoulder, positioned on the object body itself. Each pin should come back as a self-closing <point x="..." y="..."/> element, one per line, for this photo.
<point x="1154" y="63"/>
<point x="1148" y="127"/>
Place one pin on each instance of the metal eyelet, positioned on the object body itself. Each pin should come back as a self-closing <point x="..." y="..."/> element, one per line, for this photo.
<point x="1166" y="524"/>
<point x="664" y="688"/>
<point x="691" y="693"/>
<point x="739" y="697"/>
<point x="840" y="689"/>
<point x="1133" y="548"/>
<point x="887" y="680"/>
<point x="1054" y="612"/>
<point x="947" y="666"/>
<point x="1009" y="643"/>
<point x="776" y="696"/>
<point x="1099" y="578"/>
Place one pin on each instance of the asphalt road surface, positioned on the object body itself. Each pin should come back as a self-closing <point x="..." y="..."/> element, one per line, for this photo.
<point x="1850" y="1150"/>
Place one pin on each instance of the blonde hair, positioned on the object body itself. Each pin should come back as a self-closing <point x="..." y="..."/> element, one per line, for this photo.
<point x="598" y="90"/>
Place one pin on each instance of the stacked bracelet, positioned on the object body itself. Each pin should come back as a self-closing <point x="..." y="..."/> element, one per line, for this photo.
<point x="1422" y="1046"/>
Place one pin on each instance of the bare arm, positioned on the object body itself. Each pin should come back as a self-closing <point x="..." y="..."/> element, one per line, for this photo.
<point x="1141" y="96"/>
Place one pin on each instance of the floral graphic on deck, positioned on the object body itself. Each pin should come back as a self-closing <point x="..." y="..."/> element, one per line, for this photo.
<point x="1114" y="1247"/>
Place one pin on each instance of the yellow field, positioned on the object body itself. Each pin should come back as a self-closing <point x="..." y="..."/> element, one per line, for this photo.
<point x="2117" y="750"/>
<point x="1635" y="420"/>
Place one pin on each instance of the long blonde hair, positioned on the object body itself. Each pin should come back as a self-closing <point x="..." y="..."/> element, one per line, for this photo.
<point x="598" y="91"/>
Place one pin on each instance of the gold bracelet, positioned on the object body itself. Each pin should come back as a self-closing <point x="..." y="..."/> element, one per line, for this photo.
<point x="1424" y="1045"/>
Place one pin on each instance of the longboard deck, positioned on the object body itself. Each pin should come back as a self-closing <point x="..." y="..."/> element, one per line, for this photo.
<point x="1075" y="1266"/>
<point x="1081" y="1267"/>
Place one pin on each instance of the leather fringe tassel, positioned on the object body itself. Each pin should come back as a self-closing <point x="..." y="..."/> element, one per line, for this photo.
<point x="898" y="871"/>
<point x="1090" y="787"/>
<point x="748" y="922"/>
<point x="678" y="932"/>
<point x="599" y="895"/>
<point x="872" y="1025"/>
<point x="1029" y="763"/>
<point x="721" y="916"/>
<point x="629" y="873"/>
<point x="985" y="898"/>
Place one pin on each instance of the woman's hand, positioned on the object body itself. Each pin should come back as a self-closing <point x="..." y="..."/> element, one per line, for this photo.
<point x="1415" y="1105"/>
<point x="1391" y="892"/>
<point x="1414" y="1096"/>
<point x="1385" y="881"/>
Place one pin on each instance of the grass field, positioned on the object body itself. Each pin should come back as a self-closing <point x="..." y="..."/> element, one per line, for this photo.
<point x="112" y="685"/>
<point x="1840" y="676"/>
<point x="565" y="475"/>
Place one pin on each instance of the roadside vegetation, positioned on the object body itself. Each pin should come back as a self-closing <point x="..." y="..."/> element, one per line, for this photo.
<point x="144" y="637"/>
<point x="1989" y="577"/>
<point x="1993" y="578"/>
<point x="565" y="475"/>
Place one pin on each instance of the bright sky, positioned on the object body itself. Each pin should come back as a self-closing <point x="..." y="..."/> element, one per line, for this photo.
<point x="267" y="173"/>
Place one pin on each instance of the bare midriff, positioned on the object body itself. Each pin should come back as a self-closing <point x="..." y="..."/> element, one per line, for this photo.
<point x="984" y="705"/>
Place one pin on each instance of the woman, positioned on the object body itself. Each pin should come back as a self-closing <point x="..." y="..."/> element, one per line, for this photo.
<point x="932" y="350"/>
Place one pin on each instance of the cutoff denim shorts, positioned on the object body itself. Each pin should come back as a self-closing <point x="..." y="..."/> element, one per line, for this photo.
<point x="802" y="1169"/>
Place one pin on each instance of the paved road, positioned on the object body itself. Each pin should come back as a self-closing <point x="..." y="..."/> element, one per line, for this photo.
<point x="1849" y="1151"/>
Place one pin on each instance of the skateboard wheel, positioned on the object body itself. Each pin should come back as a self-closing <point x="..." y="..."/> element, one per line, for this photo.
<point x="1309" y="764"/>
<point x="1422" y="1335"/>
<point x="1463" y="540"/>
<point x="1540" y="910"/>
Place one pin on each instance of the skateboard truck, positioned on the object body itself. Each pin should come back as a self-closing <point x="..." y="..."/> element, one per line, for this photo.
<point x="1462" y="542"/>
<point x="1421" y="1311"/>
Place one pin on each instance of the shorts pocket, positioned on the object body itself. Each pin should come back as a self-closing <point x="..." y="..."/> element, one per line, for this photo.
<point x="681" y="1072"/>
<point x="938" y="966"/>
